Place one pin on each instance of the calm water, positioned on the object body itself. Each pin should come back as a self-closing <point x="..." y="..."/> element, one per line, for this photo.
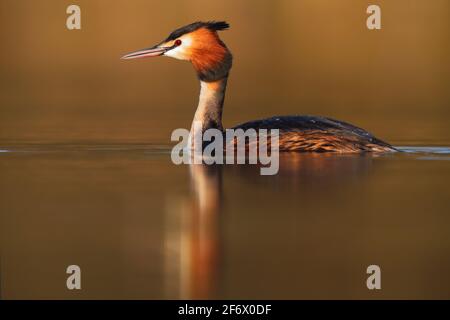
<point x="141" y="227"/>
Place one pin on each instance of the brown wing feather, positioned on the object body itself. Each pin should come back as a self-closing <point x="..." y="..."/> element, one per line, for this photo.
<point x="318" y="134"/>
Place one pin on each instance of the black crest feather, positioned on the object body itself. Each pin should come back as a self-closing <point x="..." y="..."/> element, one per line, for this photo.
<point x="211" y="25"/>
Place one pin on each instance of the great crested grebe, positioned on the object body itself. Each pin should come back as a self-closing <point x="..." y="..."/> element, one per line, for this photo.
<point x="200" y="44"/>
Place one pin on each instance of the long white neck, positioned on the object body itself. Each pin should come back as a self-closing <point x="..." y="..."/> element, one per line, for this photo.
<point x="210" y="105"/>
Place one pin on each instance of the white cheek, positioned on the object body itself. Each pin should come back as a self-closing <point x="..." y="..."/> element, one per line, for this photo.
<point x="180" y="52"/>
<point x="177" y="53"/>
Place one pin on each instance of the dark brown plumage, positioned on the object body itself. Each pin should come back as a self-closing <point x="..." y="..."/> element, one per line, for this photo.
<point x="210" y="25"/>
<point x="319" y="134"/>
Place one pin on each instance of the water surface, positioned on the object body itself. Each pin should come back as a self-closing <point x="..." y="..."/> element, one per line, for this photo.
<point x="141" y="227"/>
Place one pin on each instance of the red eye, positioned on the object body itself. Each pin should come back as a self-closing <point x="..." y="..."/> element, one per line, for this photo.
<point x="178" y="42"/>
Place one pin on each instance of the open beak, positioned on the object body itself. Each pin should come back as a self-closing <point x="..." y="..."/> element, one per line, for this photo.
<point x="150" y="52"/>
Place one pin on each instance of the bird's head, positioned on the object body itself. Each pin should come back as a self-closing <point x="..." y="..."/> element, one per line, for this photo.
<point x="197" y="42"/>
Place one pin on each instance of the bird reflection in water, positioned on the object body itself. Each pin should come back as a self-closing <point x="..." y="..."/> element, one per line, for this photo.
<point x="192" y="243"/>
<point x="194" y="226"/>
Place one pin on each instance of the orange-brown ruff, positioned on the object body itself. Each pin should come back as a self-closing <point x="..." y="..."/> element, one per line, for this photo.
<point x="200" y="44"/>
<point x="208" y="51"/>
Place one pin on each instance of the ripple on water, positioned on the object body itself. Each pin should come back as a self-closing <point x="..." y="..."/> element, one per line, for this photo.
<point x="417" y="152"/>
<point x="427" y="153"/>
<point x="428" y="150"/>
<point x="67" y="148"/>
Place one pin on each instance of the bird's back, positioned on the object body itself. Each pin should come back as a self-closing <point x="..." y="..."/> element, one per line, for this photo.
<point x="319" y="134"/>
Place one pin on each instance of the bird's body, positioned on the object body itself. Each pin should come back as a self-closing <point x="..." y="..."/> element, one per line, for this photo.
<point x="200" y="44"/>
<point x="318" y="134"/>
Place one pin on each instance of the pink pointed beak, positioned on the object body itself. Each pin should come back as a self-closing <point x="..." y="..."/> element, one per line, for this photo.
<point x="150" y="52"/>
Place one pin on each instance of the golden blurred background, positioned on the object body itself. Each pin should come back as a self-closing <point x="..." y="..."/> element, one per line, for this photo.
<point x="291" y="57"/>
<point x="141" y="227"/>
